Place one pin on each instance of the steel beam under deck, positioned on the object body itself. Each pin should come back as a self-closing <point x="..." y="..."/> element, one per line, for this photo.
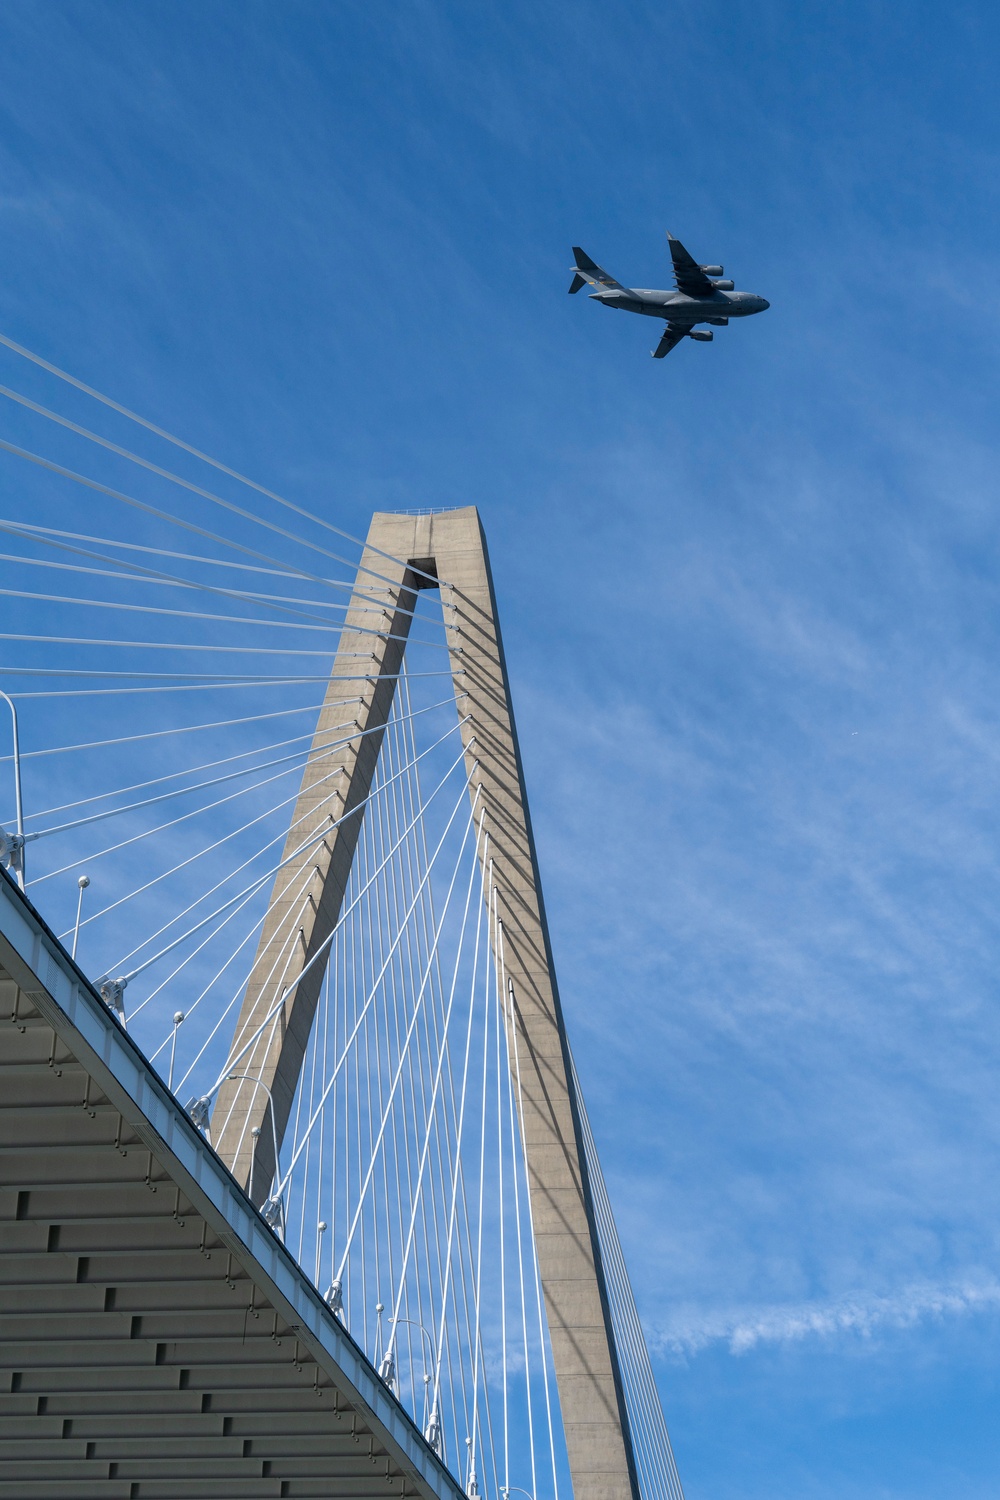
<point x="157" y="1342"/>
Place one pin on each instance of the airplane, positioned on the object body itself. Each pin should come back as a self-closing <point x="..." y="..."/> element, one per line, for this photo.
<point x="697" y="299"/>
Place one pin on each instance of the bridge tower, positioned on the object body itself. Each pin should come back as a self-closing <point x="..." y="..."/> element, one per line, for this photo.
<point x="405" y="554"/>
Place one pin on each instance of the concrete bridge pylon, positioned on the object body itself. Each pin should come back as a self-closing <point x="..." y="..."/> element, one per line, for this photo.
<point x="404" y="555"/>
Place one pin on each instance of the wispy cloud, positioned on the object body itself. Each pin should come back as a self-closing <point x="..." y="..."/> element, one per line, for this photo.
<point x="859" y="1315"/>
<point x="788" y="802"/>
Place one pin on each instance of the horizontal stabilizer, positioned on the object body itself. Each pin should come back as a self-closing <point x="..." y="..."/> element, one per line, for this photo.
<point x="576" y="283"/>
<point x="589" y="271"/>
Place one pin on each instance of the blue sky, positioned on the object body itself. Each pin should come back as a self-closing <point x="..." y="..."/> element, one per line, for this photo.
<point x="749" y="594"/>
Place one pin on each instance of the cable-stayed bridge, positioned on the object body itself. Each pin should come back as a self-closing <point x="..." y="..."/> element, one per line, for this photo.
<point x="300" y="1196"/>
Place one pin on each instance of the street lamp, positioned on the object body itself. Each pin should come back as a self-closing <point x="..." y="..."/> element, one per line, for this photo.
<point x="387" y="1370"/>
<point x="273" y="1209"/>
<point x="178" y="1018"/>
<point x="82" y="885"/>
<point x="12" y="845"/>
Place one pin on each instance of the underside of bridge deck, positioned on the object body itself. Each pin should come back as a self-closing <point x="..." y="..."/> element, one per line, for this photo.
<point x="158" y="1343"/>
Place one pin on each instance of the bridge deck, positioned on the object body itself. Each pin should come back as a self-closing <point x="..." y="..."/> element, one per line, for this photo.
<point x="158" y="1342"/>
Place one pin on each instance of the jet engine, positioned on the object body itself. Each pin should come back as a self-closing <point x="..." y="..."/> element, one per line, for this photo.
<point x="718" y="322"/>
<point x="702" y="335"/>
<point x="724" y="286"/>
<point x="711" y="270"/>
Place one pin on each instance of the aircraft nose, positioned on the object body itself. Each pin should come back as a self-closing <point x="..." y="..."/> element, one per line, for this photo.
<point x="763" y="304"/>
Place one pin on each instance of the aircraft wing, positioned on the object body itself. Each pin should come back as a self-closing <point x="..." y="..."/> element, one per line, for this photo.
<point x="690" y="278"/>
<point x="672" y="335"/>
<point x="589" y="271"/>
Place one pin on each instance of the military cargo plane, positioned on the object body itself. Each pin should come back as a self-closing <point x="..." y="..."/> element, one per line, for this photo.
<point x="699" y="297"/>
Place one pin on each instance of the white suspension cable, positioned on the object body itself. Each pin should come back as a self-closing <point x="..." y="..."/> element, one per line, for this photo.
<point x="152" y="510"/>
<point x="225" y="838"/>
<point x="172" y="823"/>
<point x="213" y="646"/>
<point x="46" y="533"/>
<point x="172" y="729"/>
<point x="237" y="995"/>
<point x="147" y="576"/>
<point x="430" y="1113"/>
<point x="345" y="1252"/>
<point x="324" y="947"/>
<point x="179" y="443"/>
<point x="463" y="1094"/>
<point x="355" y="811"/>
<point x="197" y="489"/>
<point x="290" y="762"/>
<point x="309" y="734"/>
<point x="371" y="996"/>
<point x="211" y="765"/>
<point x="213" y="683"/>
<point x="516" y="1179"/>
<point x="513" y="1035"/>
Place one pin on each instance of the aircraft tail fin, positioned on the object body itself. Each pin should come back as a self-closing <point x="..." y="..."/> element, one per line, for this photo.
<point x="587" y="270"/>
<point x="584" y="262"/>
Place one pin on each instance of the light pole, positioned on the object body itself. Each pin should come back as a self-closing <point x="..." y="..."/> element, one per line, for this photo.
<point x="16" y="853"/>
<point x="178" y="1018"/>
<point x="320" y="1231"/>
<point x="412" y="1323"/>
<point x="472" y="1482"/>
<point x="271" y="1210"/>
<point x="82" y="883"/>
<point x="387" y="1371"/>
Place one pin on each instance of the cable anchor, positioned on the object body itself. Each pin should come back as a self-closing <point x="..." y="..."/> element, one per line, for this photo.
<point x="199" y="1113"/>
<point x="112" y="992"/>
<point x="432" y="1432"/>
<point x="273" y="1213"/>
<point x="12" y="851"/>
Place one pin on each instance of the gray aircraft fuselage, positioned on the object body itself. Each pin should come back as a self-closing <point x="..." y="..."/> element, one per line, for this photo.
<point x="696" y="297"/>
<point x="679" y="308"/>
